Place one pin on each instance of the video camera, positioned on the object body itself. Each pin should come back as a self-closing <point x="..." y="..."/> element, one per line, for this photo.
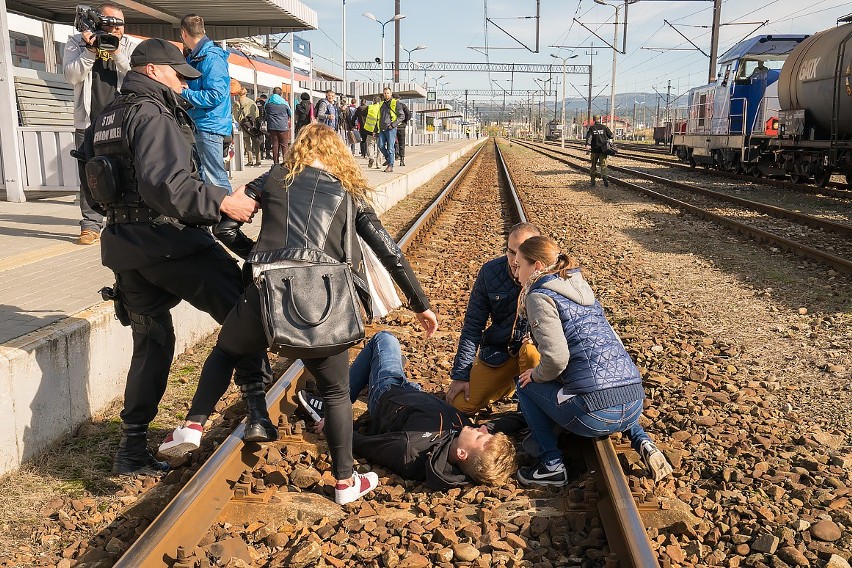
<point x="90" y="20"/>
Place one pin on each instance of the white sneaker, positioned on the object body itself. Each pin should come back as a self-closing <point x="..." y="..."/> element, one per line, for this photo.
<point x="183" y="440"/>
<point x="364" y="483"/>
<point x="655" y="461"/>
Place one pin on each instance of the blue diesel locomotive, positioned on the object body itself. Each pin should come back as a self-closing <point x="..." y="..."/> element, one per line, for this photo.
<point x="781" y="106"/>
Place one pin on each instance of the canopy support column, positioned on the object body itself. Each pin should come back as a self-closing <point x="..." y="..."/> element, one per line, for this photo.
<point x="9" y="146"/>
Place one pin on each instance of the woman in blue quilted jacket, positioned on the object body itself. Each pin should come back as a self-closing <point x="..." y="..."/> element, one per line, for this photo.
<point x="586" y="382"/>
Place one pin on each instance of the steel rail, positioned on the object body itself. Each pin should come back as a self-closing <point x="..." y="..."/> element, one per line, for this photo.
<point x="840" y="190"/>
<point x="619" y="513"/>
<point x="428" y="217"/>
<point x="195" y="508"/>
<point x="811" y="253"/>
<point x="620" y="516"/>
<point x="189" y="515"/>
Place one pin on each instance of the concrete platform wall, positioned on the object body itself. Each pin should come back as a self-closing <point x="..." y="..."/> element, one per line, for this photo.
<point x="54" y="379"/>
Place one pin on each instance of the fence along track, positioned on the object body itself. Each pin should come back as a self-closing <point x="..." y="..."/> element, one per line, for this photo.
<point x="195" y="508"/>
<point x="836" y="262"/>
<point x="624" y="528"/>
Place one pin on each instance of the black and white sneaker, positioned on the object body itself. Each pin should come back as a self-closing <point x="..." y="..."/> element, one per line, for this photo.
<point x="544" y="474"/>
<point x="311" y="404"/>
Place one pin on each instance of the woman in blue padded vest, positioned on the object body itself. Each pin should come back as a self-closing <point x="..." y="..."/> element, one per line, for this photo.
<point x="586" y="382"/>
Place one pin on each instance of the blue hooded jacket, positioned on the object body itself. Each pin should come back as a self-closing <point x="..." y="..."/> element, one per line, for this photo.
<point x="210" y="94"/>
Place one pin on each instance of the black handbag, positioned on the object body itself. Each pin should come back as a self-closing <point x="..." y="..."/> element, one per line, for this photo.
<point x="312" y="310"/>
<point x="610" y="149"/>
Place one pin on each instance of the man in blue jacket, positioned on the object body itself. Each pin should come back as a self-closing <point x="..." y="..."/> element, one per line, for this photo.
<point x="210" y="98"/>
<point x="490" y="356"/>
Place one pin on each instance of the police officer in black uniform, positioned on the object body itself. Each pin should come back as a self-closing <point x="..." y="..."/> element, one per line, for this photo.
<point x="141" y="173"/>
<point x="402" y="110"/>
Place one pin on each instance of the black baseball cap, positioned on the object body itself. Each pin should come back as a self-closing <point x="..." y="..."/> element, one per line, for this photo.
<point x="161" y="52"/>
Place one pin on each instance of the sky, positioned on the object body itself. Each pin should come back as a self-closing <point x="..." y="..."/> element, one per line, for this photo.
<point x="450" y="28"/>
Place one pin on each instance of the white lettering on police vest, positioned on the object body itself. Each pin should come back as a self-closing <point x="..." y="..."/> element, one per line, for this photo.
<point x="110" y="134"/>
<point x="108" y="119"/>
<point x="808" y="69"/>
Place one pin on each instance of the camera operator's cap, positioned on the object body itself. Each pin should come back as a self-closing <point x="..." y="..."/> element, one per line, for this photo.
<point x="161" y="52"/>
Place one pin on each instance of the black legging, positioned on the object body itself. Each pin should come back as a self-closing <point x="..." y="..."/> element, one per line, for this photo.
<point x="242" y="333"/>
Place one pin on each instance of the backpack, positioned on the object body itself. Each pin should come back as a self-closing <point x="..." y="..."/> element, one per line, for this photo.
<point x="351" y="118"/>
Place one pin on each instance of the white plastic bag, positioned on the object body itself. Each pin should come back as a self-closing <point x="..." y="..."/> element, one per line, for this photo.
<point x="382" y="291"/>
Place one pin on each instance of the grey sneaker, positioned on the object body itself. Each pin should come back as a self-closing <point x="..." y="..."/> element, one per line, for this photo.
<point x="657" y="464"/>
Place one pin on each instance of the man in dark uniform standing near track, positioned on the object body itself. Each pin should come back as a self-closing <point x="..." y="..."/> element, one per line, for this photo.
<point x="141" y="173"/>
<point x="403" y="111"/>
<point x="596" y="139"/>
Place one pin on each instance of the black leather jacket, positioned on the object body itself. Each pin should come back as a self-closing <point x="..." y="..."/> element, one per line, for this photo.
<point x="306" y="221"/>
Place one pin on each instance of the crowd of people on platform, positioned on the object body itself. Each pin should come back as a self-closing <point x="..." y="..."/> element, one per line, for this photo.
<point x="152" y="168"/>
<point x="219" y="105"/>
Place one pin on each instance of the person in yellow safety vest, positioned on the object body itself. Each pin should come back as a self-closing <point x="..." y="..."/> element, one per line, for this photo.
<point x="371" y="127"/>
<point x="388" y="121"/>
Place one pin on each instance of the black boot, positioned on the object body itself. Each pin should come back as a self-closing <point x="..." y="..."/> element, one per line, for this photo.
<point x="259" y="428"/>
<point x="402" y="161"/>
<point x="134" y="457"/>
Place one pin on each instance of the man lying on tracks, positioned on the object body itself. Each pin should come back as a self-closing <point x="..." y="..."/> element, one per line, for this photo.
<point x="414" y="433"/>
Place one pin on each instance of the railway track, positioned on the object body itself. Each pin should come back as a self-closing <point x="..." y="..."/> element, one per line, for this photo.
<point x="658" y="156"/>
<point x="828" y="243"/>
<point x="239" y="482"/>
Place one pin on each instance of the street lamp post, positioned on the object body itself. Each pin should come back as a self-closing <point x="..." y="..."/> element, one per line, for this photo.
<point x="544" y="91"/>
<point x="564" y="74"/>
<point x="396" y="18"/>
<point x="614" y="56"/>
<point x="615" y="53"/>
<point x="409" y="52"/>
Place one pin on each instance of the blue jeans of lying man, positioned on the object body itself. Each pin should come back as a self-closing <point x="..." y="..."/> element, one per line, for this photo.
<point x="378" y="367"/>
<point x="542" y="410"/>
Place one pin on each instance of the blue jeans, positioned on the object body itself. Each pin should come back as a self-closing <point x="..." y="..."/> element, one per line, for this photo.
<point x="379" y="367"/>
<point x="209" y="146"/>
<point x="387" y="143"/>
<point x="541" y="409"/>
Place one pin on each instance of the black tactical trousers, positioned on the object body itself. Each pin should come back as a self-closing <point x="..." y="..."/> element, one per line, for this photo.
<point x="209" y="280"/>
<point x="400" y="142"/>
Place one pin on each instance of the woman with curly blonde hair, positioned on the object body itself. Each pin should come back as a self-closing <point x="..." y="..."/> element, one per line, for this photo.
<point x="307" y="204"/>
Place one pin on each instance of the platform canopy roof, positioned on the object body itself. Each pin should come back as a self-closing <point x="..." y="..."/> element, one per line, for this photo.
<point x="161" y="18"/>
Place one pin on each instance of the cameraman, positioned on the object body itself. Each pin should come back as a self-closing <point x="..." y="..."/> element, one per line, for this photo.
<point x="97" y="77"/>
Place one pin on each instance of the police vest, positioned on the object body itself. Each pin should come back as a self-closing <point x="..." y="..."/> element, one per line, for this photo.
<point x="111" y="140"/>
<point x="372" y="120"/>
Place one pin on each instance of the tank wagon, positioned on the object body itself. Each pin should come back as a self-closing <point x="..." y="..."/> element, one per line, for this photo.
<point x="781" y="106"/>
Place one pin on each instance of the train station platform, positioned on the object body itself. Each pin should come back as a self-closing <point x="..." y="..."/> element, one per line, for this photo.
<point x="63" y="356"/>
